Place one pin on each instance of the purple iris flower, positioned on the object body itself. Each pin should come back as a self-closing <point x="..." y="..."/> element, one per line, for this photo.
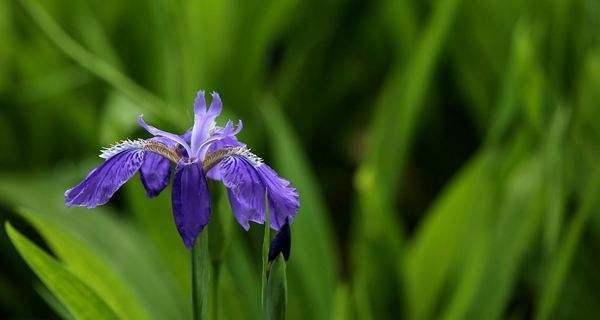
<point x="205" y="151"/>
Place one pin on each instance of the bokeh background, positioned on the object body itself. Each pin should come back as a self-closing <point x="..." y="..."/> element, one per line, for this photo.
<point x="446" y="153"/>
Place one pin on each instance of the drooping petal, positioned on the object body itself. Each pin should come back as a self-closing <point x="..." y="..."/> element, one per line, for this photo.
<point x="245" y="190"/>
<point x="249" y="178"/>
<point x="160" y="133"/>
<point x="101" y="183"/>
<point x="204" y="121"/>
<point x="243" y="213"/>
<point x="156" y="169"/>
<point x="283" y="198"/>
<point x="155" y="173"/>
<point x="191" y="201"/>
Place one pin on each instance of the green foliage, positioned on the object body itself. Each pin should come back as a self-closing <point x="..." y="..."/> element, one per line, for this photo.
<point x="445" y="152"/>
<point x="315" y="270"/>
<point x="276" y="292"/>
<point x="80" y="300"/>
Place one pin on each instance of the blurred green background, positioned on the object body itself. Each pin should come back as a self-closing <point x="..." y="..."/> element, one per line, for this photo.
<point x="446" y="154"/>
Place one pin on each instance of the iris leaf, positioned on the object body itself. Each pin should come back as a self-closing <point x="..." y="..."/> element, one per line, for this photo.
<point x="444" y="235"/>
<point x="276" y="299"/>
<point x="129" y="254"/>
<point x="87" y="266"/>
<point x="521" y="213"/>
<point x="97" y="65"/>
<point x="378" y="238"/>
<point x="314" y="262"/>
<point x="81" y="301"/>
<point x="53" y="302"/>
<point x="564" y="256"/>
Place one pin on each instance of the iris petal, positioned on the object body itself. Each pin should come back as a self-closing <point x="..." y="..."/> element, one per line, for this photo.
<point x="160" y="133"/>
<point x="156" y="169"/>
<point x="155" y="173"/>
<point x="216" y="105"/>
<point x="191" y="201"/>
<point x="247" y="183"/>
<point x="283" y="198"/>
<point x="101" y="183"/>
<point x="245" y="190"/>
<point x="204" y="121"/>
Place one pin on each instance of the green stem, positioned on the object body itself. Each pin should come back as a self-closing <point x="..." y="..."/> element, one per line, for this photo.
<point x="265" y="253"/>
<point x="201" y="277"/>
<point x="215" y="290"/>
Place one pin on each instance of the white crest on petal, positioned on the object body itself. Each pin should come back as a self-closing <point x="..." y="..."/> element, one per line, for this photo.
<point x="214" y="158"/>
<point x="121" y="146"/>
<point x="247" y="153"/>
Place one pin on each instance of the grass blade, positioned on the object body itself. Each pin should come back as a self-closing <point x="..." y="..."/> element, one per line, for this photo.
<point x="120" y="246"/>
<point x="313" y="265"/>
<point x="152" y="104"/>
<point x="276" y="299"/>
<point x="91" y="269"/>
<point x="445" y="233"/>
<point x="564" y="256"/>
<point x="81" y="301"/>
<point x="379" y="235"/>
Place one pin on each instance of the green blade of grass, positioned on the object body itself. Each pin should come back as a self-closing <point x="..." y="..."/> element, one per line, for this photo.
<point x="81" y="301"/>
<point x="53" y="302"/>
<point x="90" y="268"/>
<point x="313" y="266"/>
<point x="152" y="104"/>
<point x="521" y="213"/>
<point x="444" y="235"/>
<point x="395" y="122"/>
<point x="564" y="256"/>
<point x="276" y="293"/>
<point x="121" y="247"/>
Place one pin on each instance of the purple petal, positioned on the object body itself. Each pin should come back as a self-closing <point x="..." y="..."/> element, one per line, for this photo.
<point x="160" y="133"/>
<point x="187" y="136"/>
<point x="216" y="105"/>
<point x="283" y="198"/>
<point x="156" y="169"/>
<point x="155" y="173"/>
<point x="191" y="201"/>
<point x="200" y="103"/>
<point x="245" y="190"/>
<point x="228" y="142"/>
<point x="101" y="183"/>
<point x="243" y="213"/>
<point x="204" y="121"/>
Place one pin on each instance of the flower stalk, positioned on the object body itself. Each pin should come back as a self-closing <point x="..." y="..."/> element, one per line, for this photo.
<point x="265" y="255"/>
<point x="202" y="278"/>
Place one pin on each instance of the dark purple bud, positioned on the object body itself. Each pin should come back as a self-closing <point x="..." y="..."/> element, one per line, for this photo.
<point x="281" y="243"/>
